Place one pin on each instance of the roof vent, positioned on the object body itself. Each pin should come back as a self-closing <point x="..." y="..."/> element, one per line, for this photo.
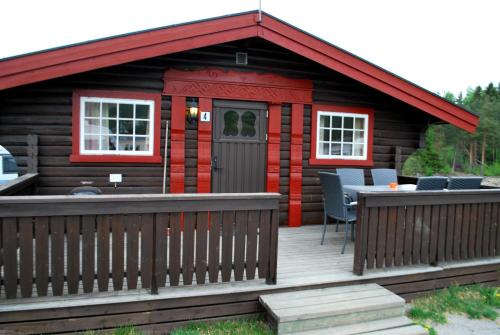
<point x="241" y="58"/>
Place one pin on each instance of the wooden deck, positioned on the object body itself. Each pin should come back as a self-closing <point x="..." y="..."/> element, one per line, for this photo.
<point x="302" y="262"/>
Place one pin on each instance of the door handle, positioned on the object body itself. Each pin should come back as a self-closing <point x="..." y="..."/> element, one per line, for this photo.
<point x="214" y="163"/>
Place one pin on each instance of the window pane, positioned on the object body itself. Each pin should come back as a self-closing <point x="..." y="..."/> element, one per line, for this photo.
<point x="324" y="148"/>
<point x="324" y="121"/>
<point x="347" y="150"/>
<point x="358" y="150"/>
<point x="359" y="136"/>
<point x="108" y="109"/>
<point x="337" y="135"/>
<point x="92" y="109"/>
<point x="231" y="123"/>
<point x="248" y="124"/>
<point x="142" y="111"/>
<point x="335" y="149"/>
<point x="125" y="143"/>
<point x="324" y="135"/>
<point x="141" y="144"/>
<point x="126" y="127"/>
<point x="348" y="122"/>
<point x="126" y="111"/>
<point x="91" y="142"/>
<point x="360" y="123"/>
<point x="348" y="136"/>
<point x="337" y="122"/>
<point x="108" y="143"/>
<point x="141" y="127"/>
<point x="91" y="126"/>
<point x="108" y="126"/>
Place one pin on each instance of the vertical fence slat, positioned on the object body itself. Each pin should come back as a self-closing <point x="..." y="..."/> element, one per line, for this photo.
<point x="201" y="247"/>
<point x="57" y="254"/>
<point x="42" y="255"/>
<point x="214" y="246"/>
<point x="88" y="252"/>
<point x="400" y="237"/>
<point x="273" y="248"/>
<point x="472" y="230"/>
<point x="392" y="221"/>
<point x="497" y="246"/>
<point x="9" y="231"/>
<point x="457" y="231"/>
<point x="434" y="232"/>
<point x="227" y="245"/>
<point x="410" y="219"/>
<point x="251" y="252"/>
<point x="73" y="253"/>
<point x="381" y="236"/>
<point x="426" y="234"/>
<point x="175" y="249"/>
<point x="417" y="235"/>
<point x="147" y="245"/>
<point x="464" y="239"/>
<point x="239" y="244"/>
<point x="132" y="250"/>
<point x="263" y="257"/>
<point x="372" y="237"/>
<point x="493" y="229"/>
<point x="486" y="230"/>
<point x="360" y="245"/>
<point x="479" y="230"/>
<point x="188" y="248"/>
<point x="26" y="256"/>
<point x="162" y="220"/>
<point x="117" y="240"/>
<point x="450" y="223"/>
<point x="443" y="212"/>
<point x="103" y="252"/>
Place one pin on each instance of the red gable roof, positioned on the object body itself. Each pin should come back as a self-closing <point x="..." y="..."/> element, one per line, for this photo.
<point x="92" y="55"/>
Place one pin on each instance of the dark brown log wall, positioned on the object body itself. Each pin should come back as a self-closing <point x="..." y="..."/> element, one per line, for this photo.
<point x="44" y="109"/>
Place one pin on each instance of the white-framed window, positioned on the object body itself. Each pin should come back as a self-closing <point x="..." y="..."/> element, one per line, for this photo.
<point x="341" y="135"/>
<point x="115" y="126"/>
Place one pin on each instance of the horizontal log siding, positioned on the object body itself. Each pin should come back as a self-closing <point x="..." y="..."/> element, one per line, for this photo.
<point x="44" y="109"/>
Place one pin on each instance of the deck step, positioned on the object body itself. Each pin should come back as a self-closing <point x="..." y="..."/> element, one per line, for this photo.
<point x="329" y="308"/>
<point x="394" y="326"/>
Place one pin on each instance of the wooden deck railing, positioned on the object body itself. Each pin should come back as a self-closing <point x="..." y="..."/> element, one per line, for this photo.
<point x="22" y="185"/>
<point x="425" y="227"/>
<point x="112" y="242"/>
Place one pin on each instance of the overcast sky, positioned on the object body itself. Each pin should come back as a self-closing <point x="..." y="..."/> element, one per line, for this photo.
<point x="441" y="44"/>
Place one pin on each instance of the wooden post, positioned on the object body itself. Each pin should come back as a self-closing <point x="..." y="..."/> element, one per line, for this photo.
<point x="204" y="169"/>
<point x="177" y="144"/>
<point x="273" y="248"/>
<point x="361" y="232"/>
<point x="295" y="193"/>
<point x="273" y="148"/>
<point x="32" y="153"/>
<point x="398" y="160"/>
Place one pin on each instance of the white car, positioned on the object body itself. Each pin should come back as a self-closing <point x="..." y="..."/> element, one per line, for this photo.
<point x="8" y="166"/>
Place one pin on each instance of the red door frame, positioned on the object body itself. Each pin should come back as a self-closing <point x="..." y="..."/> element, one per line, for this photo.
<point x="208" y="84"/>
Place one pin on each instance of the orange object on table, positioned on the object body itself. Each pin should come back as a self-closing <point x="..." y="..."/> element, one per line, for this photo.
<point x="393" y="186"/>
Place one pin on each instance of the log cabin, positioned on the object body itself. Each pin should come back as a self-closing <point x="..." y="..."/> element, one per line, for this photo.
<point x="233" y="117"/>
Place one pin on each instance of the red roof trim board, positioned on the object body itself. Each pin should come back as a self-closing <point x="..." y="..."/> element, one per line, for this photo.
<point x="123" y="49"/>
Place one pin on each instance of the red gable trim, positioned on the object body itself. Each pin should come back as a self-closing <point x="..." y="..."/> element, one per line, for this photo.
<point x="93" y="55"/>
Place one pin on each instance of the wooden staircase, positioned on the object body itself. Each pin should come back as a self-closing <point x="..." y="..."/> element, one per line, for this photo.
<point x="346" y="310"/>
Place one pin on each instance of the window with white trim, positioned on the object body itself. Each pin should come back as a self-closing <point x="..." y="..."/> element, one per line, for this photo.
<point x="111" y="126"/>
<point x="341" y="135"/>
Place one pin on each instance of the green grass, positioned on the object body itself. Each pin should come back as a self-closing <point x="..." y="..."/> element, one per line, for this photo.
<point x="476" y="301"/>
<point x="252" y="326"/>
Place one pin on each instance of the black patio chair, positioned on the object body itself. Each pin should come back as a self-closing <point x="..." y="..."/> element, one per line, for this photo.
<point x="336" y="204"/>
<point x="351" y="176"/>
<point x="464" y="183"/>
<point x="431" y="183"/>
<point x="384" y="176"/>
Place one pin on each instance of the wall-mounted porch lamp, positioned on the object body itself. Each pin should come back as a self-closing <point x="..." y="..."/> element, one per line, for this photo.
<point x="191" y="110"/>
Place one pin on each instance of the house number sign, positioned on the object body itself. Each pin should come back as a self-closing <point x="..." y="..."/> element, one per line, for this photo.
<point x="205" y="117"/>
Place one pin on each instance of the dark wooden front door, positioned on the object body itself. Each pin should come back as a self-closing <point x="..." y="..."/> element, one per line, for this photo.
<point x="239" y="146"/>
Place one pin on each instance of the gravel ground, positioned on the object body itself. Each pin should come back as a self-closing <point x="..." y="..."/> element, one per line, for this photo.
<point x="462" y="325"/>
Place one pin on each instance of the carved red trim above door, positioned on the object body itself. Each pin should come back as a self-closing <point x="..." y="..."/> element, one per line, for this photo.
<point x="237" y="85"/>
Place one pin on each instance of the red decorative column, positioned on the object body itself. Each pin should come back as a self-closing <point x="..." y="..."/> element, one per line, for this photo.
<point x="273" y="148"/>
<point x="204" y="147"/>
<point x="295" y="193"/>
<point x="177" y="144"/>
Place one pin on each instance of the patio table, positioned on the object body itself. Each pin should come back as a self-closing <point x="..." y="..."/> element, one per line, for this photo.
<point x="353" y="190"/>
